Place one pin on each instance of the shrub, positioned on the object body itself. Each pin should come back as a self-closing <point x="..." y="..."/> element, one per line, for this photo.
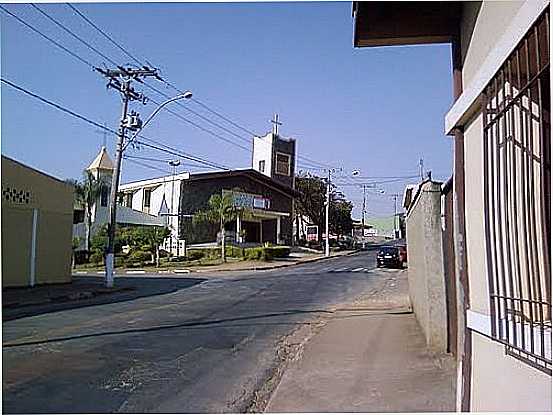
<point x="177" y="259"/>
<point x="195" y="254"/>
<point x="96" y="257"/>
<point x="254" y="254"/>
<point x="278" y="251"/>
<point x="234" y="251"/>
<point x="139" y="256"/>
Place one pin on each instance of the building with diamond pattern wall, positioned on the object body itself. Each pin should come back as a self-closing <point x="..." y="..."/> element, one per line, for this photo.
<point x="37" y="220"/>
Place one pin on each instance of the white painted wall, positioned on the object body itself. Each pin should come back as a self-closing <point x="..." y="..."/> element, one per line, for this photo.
<point x="263" y="150"/>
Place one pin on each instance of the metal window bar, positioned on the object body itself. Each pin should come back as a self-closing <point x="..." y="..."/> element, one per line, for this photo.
<point x="517" y="205"/>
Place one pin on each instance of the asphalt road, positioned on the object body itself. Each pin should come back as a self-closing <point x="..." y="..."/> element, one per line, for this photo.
<point x="206" y="348"/>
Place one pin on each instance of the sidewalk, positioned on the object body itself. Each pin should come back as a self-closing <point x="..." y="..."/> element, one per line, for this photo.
<point x="371" y="357"/>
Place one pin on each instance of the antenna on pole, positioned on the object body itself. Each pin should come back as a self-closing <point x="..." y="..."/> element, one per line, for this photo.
<point x="421" y="168"/>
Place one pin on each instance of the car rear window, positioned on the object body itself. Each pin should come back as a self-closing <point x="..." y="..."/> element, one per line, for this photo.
<point x="388" y="250"/>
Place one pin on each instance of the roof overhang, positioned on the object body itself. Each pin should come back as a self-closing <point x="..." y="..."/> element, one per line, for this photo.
<point x="393" y="23"/>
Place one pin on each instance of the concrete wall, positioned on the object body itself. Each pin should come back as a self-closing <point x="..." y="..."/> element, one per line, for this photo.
<point x="24" y="192"/>
<point x="263" y="150"/>
<point x="426" y="268"/>
<point x="502" y="383"/>
<point x="498" y="382"/>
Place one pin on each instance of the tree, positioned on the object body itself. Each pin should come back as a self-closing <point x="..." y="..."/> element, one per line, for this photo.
<point x="341" y="222"/>
<point x="75" y="243"/>
<point x="150" y="236"/>
<point x="220" y="210"/>
<point x="311" y="202"/>
<point x="87" y="193"/>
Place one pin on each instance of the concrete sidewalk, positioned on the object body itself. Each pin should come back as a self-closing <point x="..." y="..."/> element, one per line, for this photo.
<point x="370" y="357"/>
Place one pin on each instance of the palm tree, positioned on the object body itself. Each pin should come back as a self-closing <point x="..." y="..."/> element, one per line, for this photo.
<point x="87" y="192"/>
<point x="220" y="210"/>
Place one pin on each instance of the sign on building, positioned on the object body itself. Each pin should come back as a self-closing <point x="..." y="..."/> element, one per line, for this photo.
<point x="248" y="200"/>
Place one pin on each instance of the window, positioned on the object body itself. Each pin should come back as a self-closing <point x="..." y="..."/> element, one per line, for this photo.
<point x="147" y="197"/>
<point x="262" y="166"/>
<point x="283" y="164"/>
<point x="104" y="196"/>
<point x="517" y="204"/>
<point x="128" y="200"/>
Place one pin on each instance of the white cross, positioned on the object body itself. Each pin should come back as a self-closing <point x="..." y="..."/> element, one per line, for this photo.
<point x="275" y="124"/>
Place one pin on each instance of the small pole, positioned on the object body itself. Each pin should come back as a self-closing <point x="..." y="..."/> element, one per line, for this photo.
<point x="223" y="253"/>
<point x="363" y="217"/>
<point x="327" y="211"/>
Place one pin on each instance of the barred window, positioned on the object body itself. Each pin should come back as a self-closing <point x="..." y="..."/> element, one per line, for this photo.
<point x="517" y="179"/>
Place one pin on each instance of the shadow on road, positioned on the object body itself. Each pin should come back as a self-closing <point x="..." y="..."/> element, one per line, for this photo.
<point x="85" y="291"/>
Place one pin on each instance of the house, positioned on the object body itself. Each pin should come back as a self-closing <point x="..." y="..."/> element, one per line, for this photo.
<point x="37" y="213"/>
<point x="500" y="193"/>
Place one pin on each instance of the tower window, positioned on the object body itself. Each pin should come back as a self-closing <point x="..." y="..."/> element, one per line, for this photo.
<point x="262" y="166"/>
<point x="147" y="197"/>
<point x="104" y="194"/>
<point x="283" y="164"/>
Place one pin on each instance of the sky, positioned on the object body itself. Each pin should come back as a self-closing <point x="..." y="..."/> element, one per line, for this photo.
<point x="375" y="110"/>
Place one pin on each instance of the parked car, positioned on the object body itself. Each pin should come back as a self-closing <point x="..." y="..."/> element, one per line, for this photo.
<point x="389" y="256"/>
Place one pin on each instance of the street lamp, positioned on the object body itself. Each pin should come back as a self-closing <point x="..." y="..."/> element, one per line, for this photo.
<point x="174" y="164"/>
<point x="110" y="254"/>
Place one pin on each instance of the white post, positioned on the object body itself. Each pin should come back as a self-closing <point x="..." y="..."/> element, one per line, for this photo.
<point x="238" y="229"/>
<point x="278" y="239"/>
<point x="327" y="208"/>
<point x="32" y="270"/>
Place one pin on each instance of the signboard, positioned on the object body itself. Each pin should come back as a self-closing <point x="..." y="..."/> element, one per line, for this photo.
<point x="248" y="200"/>
<point x="312" y="233"/>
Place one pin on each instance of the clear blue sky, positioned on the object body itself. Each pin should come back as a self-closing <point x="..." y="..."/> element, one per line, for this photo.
<point x="378" y="110"/>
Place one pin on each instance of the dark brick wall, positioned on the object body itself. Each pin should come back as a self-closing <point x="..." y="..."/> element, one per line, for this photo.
<point x="195" y="195"/>
<point x="285" y="147"/>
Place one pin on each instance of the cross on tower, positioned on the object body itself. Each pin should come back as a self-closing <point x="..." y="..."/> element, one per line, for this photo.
<point x="276" y="123"/>
<point x="104" y="132"/>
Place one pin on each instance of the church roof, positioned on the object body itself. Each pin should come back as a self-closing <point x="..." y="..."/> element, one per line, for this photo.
<point x="102" y="161"/>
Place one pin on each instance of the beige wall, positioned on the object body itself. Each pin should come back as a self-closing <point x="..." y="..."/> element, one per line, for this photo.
<point x="474" y="218"/>
<point x="482" y="24"/>
<point x="426" y="273"/>
<point x="23" y="191"/>
<point x="502" y="383"/>
<point x="498" y="382"/>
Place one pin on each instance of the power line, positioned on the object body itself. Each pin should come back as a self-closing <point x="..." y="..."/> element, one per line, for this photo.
<point x="57" y="106"/>
<point x="157" y="160"/>
<point x="139" y="163"/>
<point x="176" y="153"/>
<point x="86" y="19"/>
<point x="64" y="28"/>
<point x="220" y="115"/>
<point x="103" y="127"/>
<point x="23" y="22"/>
<point x="82" y="60"/>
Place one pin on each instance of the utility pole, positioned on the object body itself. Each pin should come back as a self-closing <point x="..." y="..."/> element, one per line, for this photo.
<point x="395" y="215"/>
<point x="121" y="80"/>
<point x="421" y="168"/>
<point x="327" y="213"/>
<point x="363" y="216"/>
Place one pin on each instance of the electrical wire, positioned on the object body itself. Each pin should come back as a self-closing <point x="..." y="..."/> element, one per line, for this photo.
<point x="171" y="150"/>
<point x="23" y="22"/>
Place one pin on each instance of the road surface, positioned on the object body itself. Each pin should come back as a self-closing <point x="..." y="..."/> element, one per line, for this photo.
<point x="207" y="348"/>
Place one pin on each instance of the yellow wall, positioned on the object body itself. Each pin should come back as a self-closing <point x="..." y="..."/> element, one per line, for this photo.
<point x="24" y="190"/>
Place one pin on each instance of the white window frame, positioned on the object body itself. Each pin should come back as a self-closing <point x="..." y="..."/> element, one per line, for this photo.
<point x="289" y="164"/>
